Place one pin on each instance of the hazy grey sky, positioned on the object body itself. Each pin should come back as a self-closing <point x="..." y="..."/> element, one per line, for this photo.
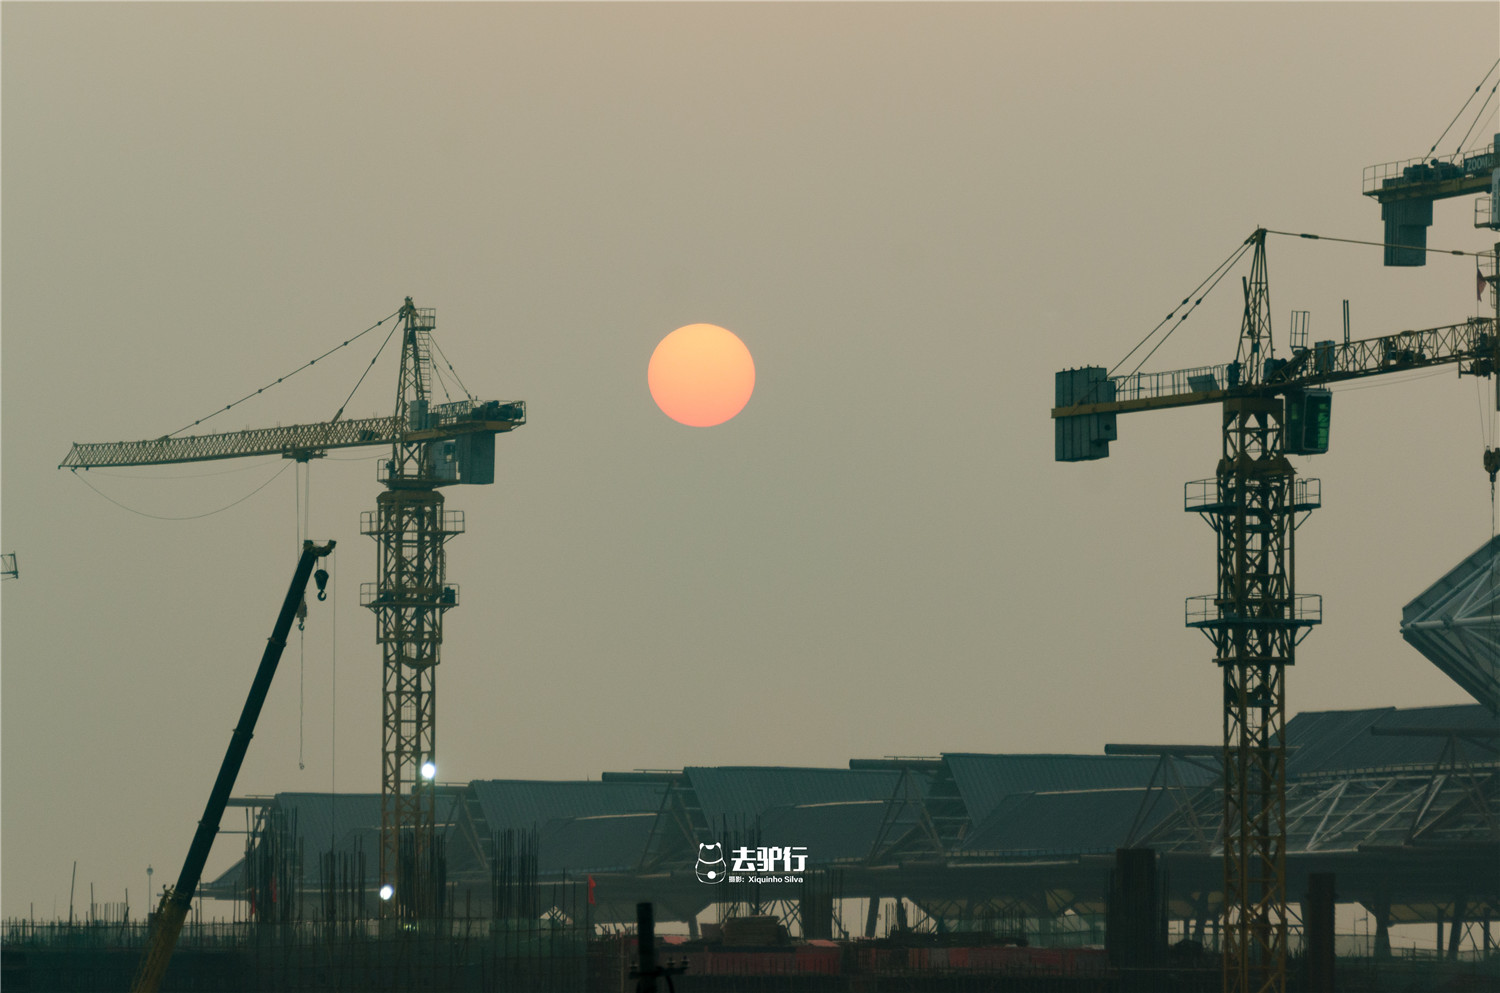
<point x="911" y="214"/>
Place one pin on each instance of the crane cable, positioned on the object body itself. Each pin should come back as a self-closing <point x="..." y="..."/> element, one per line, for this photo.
<point x="187" y="517"/>
<point x="1379" y="244"/>
<point x="303" y="488"/>
<point x="1224" y="272"/>
<point x="362" y="375"/>
<point x="433" y="338"/>
<point x="289" y="375"/>
<point x="1225" y="265"/>
<point x="1477" y="118"/>
<point x="1462" y="109"/>
<point x="333" y="695"/>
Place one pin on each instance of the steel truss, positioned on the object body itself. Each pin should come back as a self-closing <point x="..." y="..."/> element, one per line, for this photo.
<point x="409" y="599"/>
<point x="1254" y="620"/>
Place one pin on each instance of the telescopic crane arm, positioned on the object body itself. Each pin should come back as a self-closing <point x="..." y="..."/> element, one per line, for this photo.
<point x="177" y="900"/>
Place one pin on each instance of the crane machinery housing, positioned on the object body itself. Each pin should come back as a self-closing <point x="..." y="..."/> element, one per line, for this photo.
<point x="432" y="445"/>
<point x="1274" y="407"/>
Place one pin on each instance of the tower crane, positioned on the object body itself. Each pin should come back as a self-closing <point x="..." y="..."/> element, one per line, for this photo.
<point x="432" y="445"/>
<point x="1271" y="408"/>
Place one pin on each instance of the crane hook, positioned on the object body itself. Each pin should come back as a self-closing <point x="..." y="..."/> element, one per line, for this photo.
<point x="321" y="578"/>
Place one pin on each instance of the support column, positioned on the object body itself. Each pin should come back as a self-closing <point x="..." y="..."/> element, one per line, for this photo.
<point x="1383" y="921"/>
<point x="1317" y="921"/>
<point x="1455" y="930"/>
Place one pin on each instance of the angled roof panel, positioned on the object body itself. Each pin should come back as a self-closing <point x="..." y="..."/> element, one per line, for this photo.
<point x="734" y="796"/>
<point x="522" y="804"/>
<point x="1067" y="823"/>
<point x="985" y="780"/>
<point x="838" y="831"/>
<point x="1340" y="741"/>
<point x="607" y="843"/>
<point x="1455" y="624"/>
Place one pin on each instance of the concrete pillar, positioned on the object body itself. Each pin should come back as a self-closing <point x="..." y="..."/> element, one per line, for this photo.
<point x="816" y="911"/>
<point x="1317" y="922"/>
<point x="1383" y="920"/>
<point x="1133" y="932"/>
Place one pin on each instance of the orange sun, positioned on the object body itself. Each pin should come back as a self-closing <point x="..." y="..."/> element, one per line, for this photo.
<point x="701" y="375"/>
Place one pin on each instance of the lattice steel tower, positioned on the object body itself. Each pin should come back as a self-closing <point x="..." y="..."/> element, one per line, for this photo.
<point x="1254" y="619"/>
<point x="409" y="600"/>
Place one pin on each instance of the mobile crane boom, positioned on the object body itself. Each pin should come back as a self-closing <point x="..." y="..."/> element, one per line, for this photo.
<point x="177" y="900"/>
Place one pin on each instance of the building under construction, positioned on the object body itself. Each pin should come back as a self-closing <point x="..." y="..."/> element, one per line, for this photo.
<point x="1026" y="853"/>
<point x="1402" y="806"/>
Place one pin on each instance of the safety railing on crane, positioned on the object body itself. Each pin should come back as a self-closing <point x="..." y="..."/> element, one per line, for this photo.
<point x="1484" y="212"/>
<point x="1301" y="610"/>
<point x="452" y="523"/>
<point x="1472" y="162"/>
<point x="371" y="594"/>
<point x="1207" y="496"/>
<point x="1201" y="379"/>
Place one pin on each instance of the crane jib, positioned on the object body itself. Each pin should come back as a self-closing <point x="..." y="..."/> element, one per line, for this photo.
<point x="1474" y="342"/>
<point x="290" y="440"/>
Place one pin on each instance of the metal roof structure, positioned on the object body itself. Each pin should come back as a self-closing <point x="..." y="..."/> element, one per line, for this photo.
<point x="984" y="781"/>
<point x="1084" y="822"/>
<point x="1408" y="781"/>
<point x="1455" y="624"/>
<point x="600" y="843"/>
<point x="519" y="804"/>
<point x="841" y="830"/>
<point x="1333" y="742"/>
<point x="736" y="795"/>
<point x="1404" y="804"/>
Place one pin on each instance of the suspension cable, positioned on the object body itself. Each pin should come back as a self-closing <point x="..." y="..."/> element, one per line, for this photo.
<point x="1379" y="244"/>
<point x="289" y="375"/>
<point x="460" y="382"/>
<point x="367" y="369"/>
<point x="1223" y="271"/>
<point x="1477" y="118"/>
<point x="189" y="517"/>
<point x="1462" y="109"/>
<point x="333" y="704"/>
<point x="1227" y="263"/>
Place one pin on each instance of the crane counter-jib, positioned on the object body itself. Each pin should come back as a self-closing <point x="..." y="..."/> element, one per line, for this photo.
<point x="288" y="440"/>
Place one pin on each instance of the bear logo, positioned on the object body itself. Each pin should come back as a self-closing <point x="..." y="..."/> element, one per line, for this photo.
<point x="710" y="865"/>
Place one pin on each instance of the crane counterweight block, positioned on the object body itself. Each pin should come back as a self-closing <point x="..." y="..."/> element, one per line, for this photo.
<point x="1085" y="436"/>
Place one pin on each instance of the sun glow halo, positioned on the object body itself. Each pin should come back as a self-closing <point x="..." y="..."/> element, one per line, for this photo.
<point x="701" y="375"/>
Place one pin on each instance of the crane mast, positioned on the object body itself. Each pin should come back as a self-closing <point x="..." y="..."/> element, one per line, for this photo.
<point x="431" y="445"/>
<point x="410" y="597"/>
<point x="1255" y="618"/>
